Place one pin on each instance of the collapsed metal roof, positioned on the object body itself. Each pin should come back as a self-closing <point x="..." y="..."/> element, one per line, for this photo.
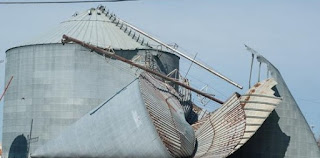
<point x="149" y="123"/>
<point x="95" y="26"/>
<point x="229" y="127"/>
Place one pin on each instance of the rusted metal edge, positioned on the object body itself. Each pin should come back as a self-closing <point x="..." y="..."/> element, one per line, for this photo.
<point x="258" y="103"/>
<point x="221" y="134"/>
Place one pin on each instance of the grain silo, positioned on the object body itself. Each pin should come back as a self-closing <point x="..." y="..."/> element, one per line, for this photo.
<point x="87" y="96"/>
<point x="54" y="84"/>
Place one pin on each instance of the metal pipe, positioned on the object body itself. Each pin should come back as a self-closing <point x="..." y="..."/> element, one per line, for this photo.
<point x="30" y="137"/>
<point x="67" y="39"/>
<point x="251" y="66"/>
<point x="183" y="55"/>
<point x="5" y="90"/>
<point x="190" y="65"/>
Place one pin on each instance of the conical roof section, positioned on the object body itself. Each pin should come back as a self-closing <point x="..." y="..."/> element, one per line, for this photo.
<point x="95" y="26"/>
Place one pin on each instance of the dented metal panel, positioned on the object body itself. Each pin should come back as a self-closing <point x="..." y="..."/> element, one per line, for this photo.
<point x="258" y="103"/>
<point x="119" y="127"/>
<point x="199" y="123"/>
<point x="234" y="123"/>
<point x="168" y="116"/>
<point x="222" y="130"/>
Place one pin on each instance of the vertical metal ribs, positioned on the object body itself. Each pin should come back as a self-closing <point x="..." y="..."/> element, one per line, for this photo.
<point x="258" y="103"/>
<point x="222" y="130"/>
<point x="236" y="121"/>
<point x="167" y="115"/>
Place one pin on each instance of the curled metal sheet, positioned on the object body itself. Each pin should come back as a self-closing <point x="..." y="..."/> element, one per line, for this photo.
<point x="143" y="119"/>
<point x="168" y="117"/>
<point x="258" y="103"/>
<point x="199" y="123"/>
<point x="119" y="127"/>
<point x="235" y="122"/>
<point x="222" y="130"/>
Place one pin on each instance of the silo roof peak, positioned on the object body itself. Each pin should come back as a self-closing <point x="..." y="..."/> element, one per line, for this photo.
<point x="97" y="26"/>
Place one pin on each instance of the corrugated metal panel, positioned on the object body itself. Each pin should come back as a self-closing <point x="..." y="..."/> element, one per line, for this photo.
<point x="258" y="103"/>
<point x="168" y="116"/>
<point x="95" y="28"/>
<point x="222" y="130"/>
<point x="202" y="116"/>
<point x="119" y="127"/>
<point x="234" y="123"/>
<point x="199" y="123"/>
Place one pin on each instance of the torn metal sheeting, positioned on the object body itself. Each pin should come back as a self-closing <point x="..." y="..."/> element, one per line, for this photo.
<point x="222" y="130"/>
<point x="258" y="103"/>
<point x="225" y="130"/>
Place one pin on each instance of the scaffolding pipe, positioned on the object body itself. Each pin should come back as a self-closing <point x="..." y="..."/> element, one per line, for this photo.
<point x="66" y="39"/>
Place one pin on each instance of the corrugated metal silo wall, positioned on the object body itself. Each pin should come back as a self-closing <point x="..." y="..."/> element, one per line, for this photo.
<point x="55" y="85"/>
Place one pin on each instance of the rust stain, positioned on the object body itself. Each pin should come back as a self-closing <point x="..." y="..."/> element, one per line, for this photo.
<point x="227" y="124"/>
<point x="257" y="84"/>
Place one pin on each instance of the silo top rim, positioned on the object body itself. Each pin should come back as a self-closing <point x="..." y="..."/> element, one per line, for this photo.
<point x="96" y="26"/>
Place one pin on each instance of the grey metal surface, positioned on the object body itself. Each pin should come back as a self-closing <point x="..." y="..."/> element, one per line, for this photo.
<point x="168" y="117"/>
<point x="120" y="127"/>
<point x="285" y="133"/>
<point x="149" y="123"/>
<point x="56" y="84"/>
<point x="95" y="28"/>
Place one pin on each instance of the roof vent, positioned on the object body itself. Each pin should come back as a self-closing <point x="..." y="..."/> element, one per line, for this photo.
<point x="75" y="14"/>
<point x="90" y="11"/>
<point x="101" y="8"/>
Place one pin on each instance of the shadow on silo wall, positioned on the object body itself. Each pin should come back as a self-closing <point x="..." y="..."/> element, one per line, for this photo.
<point x="18" y="148"/>
<point x="268" y="141"/>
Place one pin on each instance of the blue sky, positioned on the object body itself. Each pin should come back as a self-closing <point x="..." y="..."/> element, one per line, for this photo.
<point x="287" y="33"/>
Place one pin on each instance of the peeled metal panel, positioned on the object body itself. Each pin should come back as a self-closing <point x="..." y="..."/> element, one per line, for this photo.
<point x="168" y="116"/>
<point x="119" y="127"/>
<point x="258" y="103"/>
<point x="222" y="130"/>
<point x="60" y="83"/>
<point x="199" y="123"/>
<point x="233" y="124"/>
